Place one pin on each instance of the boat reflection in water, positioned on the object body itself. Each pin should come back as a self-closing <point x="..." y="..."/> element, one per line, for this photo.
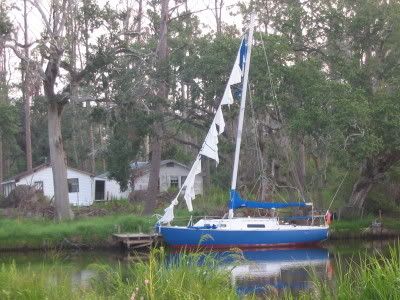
<point x="272" y="271"/>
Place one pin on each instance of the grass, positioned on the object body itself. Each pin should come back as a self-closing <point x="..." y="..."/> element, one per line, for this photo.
<point x="26" y="283"/>
<point x="375" y="277"/>
<point x="123" y="216"/>
<point x="93" y="231"/>
<point x="155" y="278"/>
<point x="193" y="276"/>
<point x="355" y="228"/>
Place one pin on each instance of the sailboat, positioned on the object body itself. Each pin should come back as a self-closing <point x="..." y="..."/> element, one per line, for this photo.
<point x="231" y="231"/>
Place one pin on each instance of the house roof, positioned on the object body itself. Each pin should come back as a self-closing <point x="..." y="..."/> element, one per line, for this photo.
<point x="139" y="165"/>
<point x="38" y="168"/>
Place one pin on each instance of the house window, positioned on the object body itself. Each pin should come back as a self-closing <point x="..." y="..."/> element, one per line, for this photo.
<point x="73" y="185"/>
<point x="170" y="165"/>
<point x="38" y="186"/>
<point x="174" y="182"/>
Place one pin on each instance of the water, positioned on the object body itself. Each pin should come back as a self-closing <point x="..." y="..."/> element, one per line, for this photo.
<point x="260" y="271"/>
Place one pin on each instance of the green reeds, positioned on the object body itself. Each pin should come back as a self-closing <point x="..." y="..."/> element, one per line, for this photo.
<point x="192" y="276"/>
<point x="37" y="283"/>
<point x="189" y="276"/>
<point x="369" y="277"/>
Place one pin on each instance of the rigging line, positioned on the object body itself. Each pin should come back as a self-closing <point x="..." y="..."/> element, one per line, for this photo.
<point x="270" y="76"/>
<point x="258" y="149"/>
<point x="274" y="96"/>
<point x="340" y="185"/>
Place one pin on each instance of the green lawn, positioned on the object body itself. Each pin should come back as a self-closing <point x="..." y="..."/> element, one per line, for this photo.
<point x="355" y="228"/>
<point x="90" y="231"/>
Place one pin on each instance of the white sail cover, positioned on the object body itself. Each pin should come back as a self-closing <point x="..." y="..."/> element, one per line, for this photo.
<point x="210" y="145"/>
<point x="169" y="212"/>
<point x="190" y="192"/>
<point x="219" y="120"/>
<point x="234" y="78"/>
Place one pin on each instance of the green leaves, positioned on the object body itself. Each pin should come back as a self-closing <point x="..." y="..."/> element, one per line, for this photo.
<point x="8" y="121"/>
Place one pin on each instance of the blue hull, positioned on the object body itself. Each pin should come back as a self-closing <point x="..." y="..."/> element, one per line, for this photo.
<point x="214" y="238"/>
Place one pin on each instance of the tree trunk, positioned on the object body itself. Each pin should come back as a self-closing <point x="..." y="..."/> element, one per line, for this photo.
<point x="27" y="96"/>
<point x="162" y="95"/>
<point x="1" y="164"/>
<point x="139" y="21"/>
<point x="58" y="163"/>
<point x="301" y="167"/>
<point x="2" y="91"/>
<point x="92" y="149"/>
<point x="360" y="190"/>
<point x="154" y="177"/>
<point x="218" y="14"/>
<point x="372" y="170"/>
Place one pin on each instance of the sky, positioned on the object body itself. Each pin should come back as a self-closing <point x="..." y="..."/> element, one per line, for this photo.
<point x="202" y="8"/>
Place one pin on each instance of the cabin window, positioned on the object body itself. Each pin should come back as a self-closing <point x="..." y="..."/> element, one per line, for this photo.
<point x="255" y="226"/>
<point x="174" y="182"/>
<point x="170" y="165"/>
<point x="73" y="185"/>
<point x="38" y="186"/>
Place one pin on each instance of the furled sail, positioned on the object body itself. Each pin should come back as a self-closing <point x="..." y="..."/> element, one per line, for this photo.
<point x="235" y="77"/>
<point x="190" y="192"/>
<point x="210" y="145"/>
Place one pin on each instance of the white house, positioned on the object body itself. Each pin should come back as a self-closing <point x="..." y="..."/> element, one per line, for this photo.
<point x="108" y="189"/>
<point x="172" y="174"/>
<point x="83" y="187"/>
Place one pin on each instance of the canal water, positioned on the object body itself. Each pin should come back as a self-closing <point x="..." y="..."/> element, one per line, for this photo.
<point x="257" y="271"/>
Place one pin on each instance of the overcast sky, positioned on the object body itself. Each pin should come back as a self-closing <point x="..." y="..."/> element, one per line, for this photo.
<point x="202" y="8"/>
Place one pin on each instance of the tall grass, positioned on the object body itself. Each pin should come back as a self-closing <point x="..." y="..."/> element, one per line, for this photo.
<point x="374" y="277"/>
<point x="192" y="276"/>
<point x="37" y="284"/>
<point x="95" y="231"/>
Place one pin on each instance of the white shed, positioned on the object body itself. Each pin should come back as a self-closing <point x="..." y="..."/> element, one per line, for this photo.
<point x="82" y="186"/>
<point x="108" y="189"/>
<point x="172" y="174"/>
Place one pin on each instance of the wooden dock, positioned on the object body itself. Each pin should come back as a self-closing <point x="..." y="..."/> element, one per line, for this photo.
<point x="132" y="241"/>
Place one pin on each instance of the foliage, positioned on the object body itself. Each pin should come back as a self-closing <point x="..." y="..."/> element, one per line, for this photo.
<point x="323" y="75"/>
<point x="8" y="121"/>
<point x="5" y="23"/>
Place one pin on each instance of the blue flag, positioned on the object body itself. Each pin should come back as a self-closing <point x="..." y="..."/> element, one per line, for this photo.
<point x="243" y="52"/>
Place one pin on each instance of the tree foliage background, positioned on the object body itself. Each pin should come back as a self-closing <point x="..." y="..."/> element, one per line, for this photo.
<point x="324" y="95"/>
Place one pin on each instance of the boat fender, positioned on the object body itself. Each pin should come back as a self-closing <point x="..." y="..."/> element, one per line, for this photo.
<point x="328" y="217"/>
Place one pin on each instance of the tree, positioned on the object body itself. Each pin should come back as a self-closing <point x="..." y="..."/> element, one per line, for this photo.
<point x="161" y="96"/>
<point x="5" y="29"/>
<point x="26" y="92"/>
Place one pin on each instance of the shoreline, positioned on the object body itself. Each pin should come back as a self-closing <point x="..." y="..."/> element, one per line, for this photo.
<point x="95" y="233"/>
<point x="110" y="245"/>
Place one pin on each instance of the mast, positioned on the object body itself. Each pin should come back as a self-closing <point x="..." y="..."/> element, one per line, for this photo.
<point x="241" y="112"/>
